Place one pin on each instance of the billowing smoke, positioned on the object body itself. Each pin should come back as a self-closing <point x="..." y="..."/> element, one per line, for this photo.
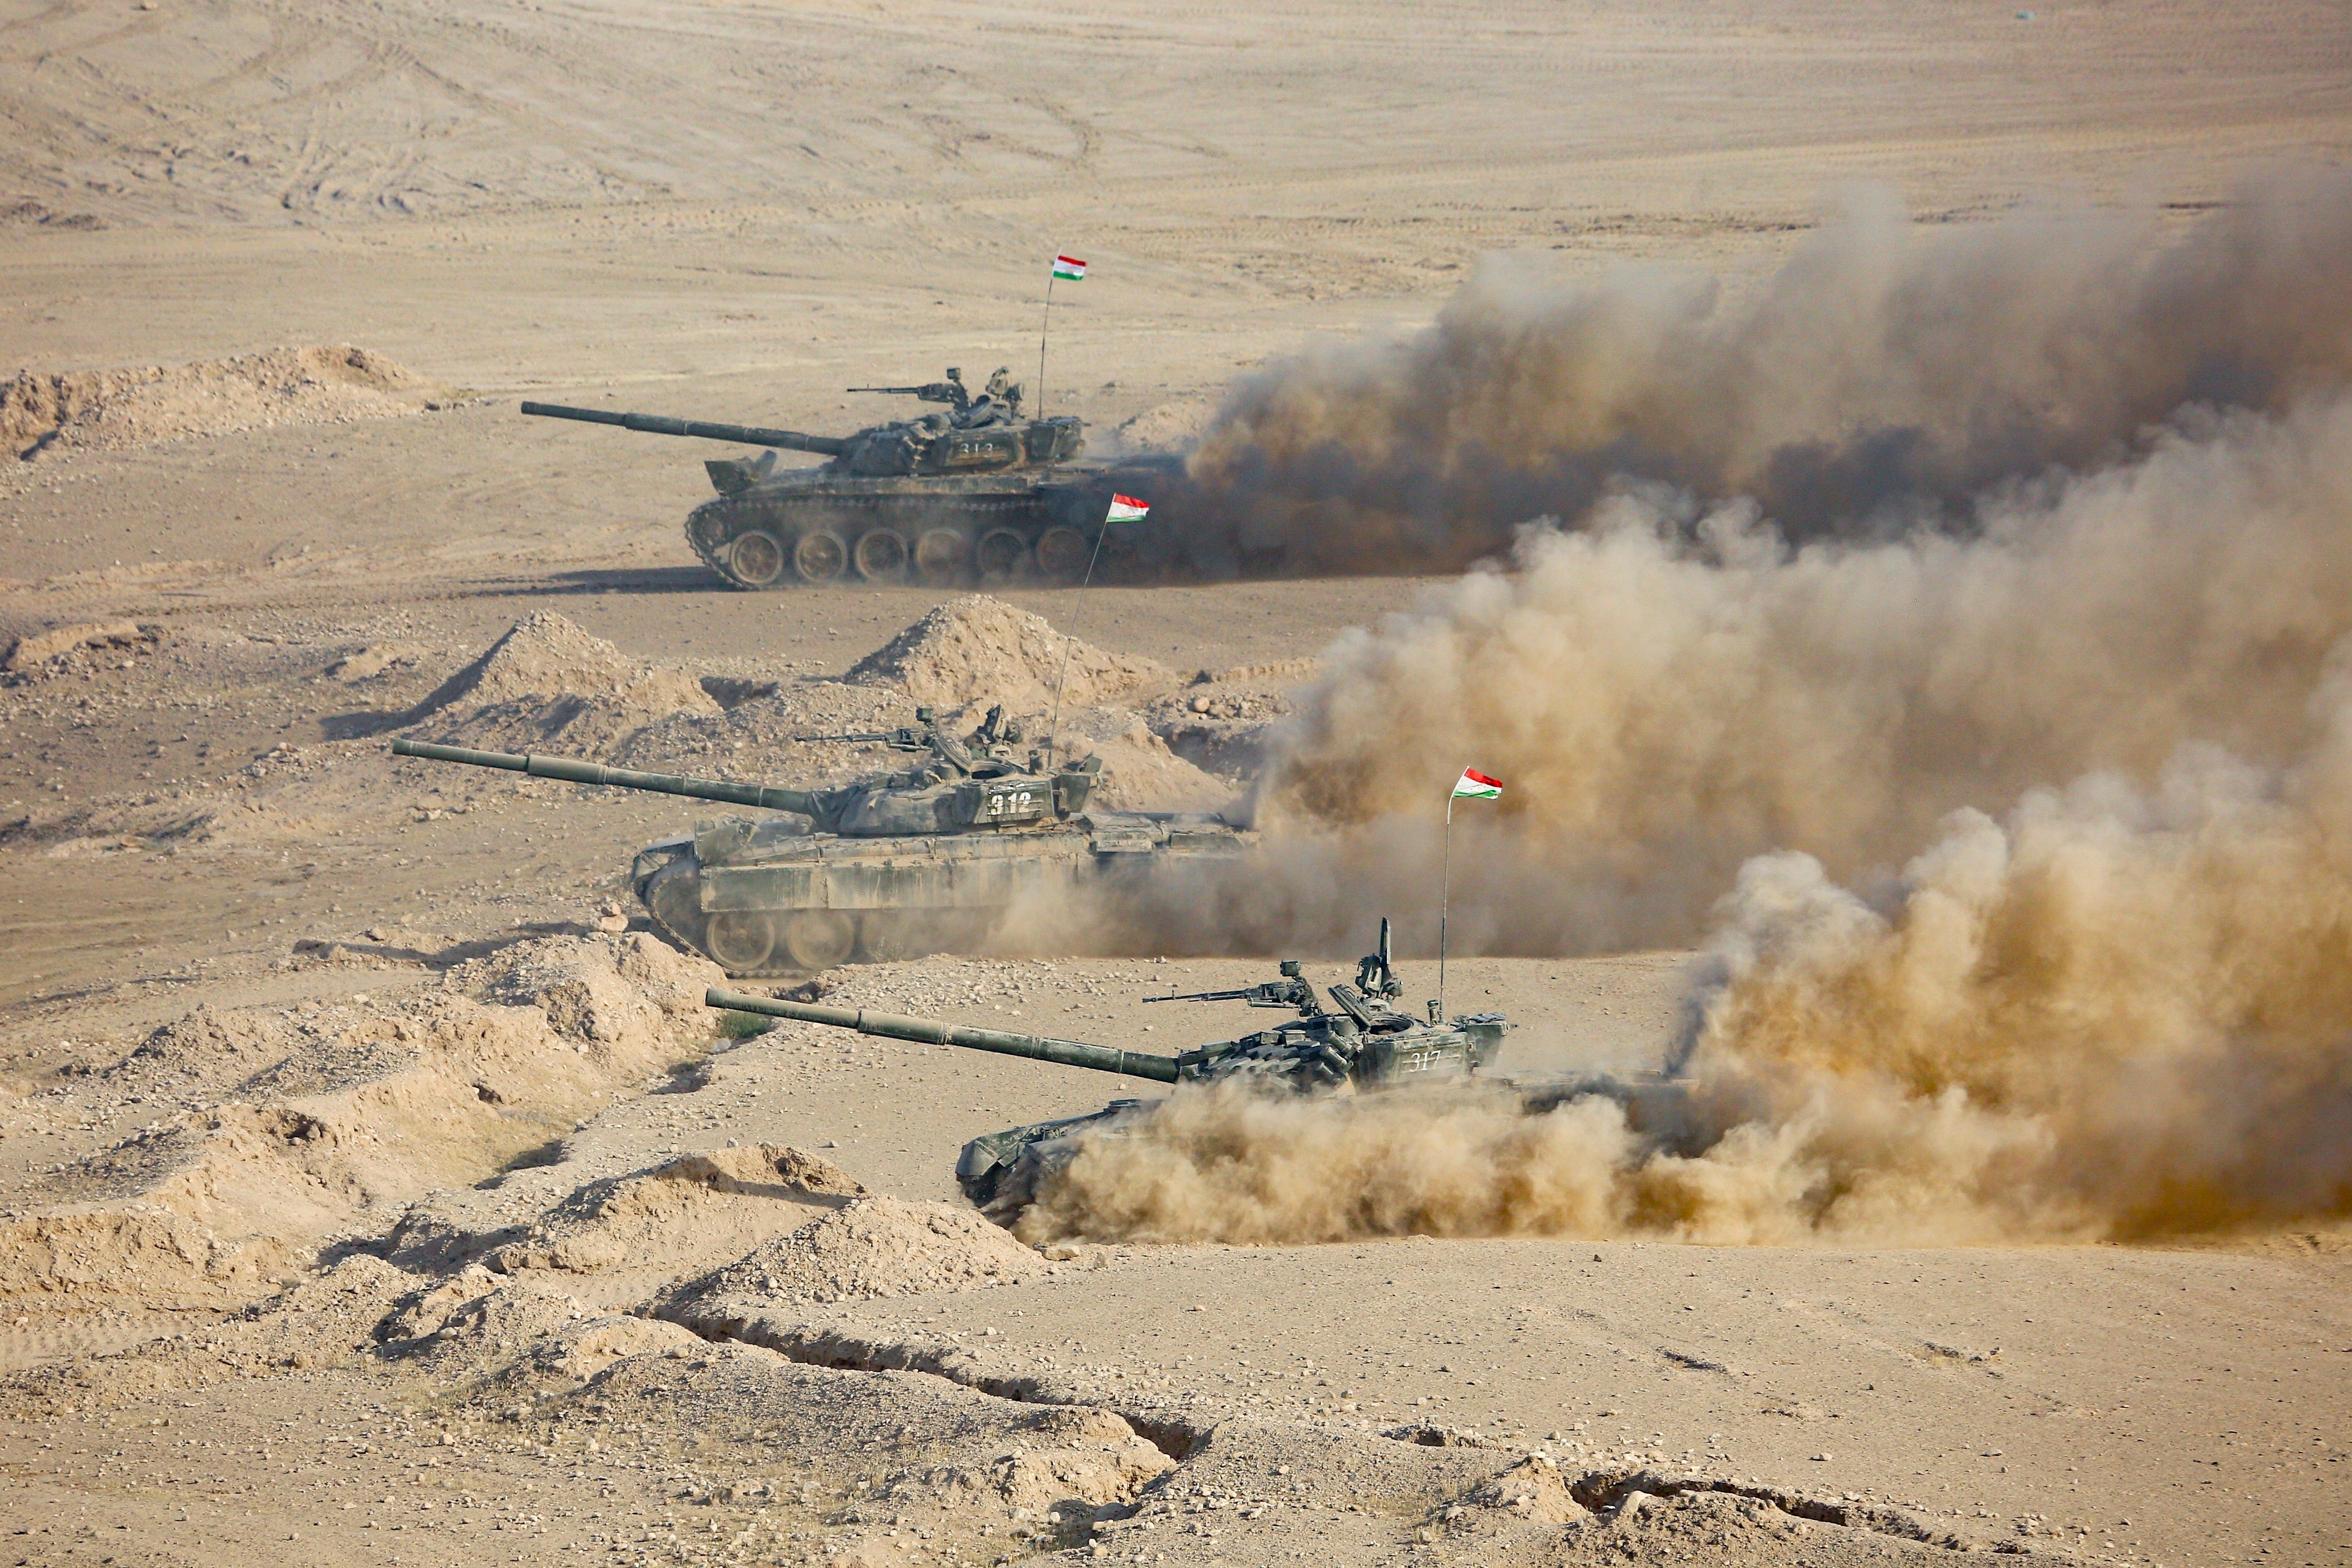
<point x="1885" y="378"/>
<point x="2025" y="845"/>
<point x="2121" y="1013"/>
<point x="1662" y="707"/>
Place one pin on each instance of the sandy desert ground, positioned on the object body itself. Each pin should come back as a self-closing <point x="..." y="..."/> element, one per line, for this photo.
<point x="375" y="1188"/>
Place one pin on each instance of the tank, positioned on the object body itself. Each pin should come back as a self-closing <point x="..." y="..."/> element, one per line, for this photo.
<point x="1357" y="1042"/>
<point x="893" y="865"/>
<point x="977" y="492"/>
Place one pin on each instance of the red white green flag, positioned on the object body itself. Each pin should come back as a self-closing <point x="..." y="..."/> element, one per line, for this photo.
<point x="1069" y="266"/>
<point x="1476" y="785"/>
<point x="1126" y="508"/>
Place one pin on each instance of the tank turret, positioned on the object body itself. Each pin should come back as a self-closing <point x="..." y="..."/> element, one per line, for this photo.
<point x="977" y="490"/>
<point x="891" y="865"/>
<point x="953" y="792"/>
<point x="982" y="435"/>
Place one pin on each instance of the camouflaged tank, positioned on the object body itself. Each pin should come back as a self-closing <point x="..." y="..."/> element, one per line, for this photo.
<point x="1357" y="1043"/>
<point x="978" y="492"/>
<point x="892" y="865"/>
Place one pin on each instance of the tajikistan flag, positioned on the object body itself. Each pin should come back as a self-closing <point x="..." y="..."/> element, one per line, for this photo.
<point x="1126" y="508"/>
<point x="1476" y="786"/>
<point x="1069" y="266"/>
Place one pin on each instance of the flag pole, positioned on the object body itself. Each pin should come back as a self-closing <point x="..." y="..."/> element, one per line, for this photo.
<point x="1444" y="895"/>
<point x="1043" y="326"/>
<point x="1069" y="645"/>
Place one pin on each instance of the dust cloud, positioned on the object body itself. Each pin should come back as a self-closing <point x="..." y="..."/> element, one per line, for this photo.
<point x="2121" y="1013"/>
<point x="2020" y="851"/>
<point x="1884" y="379"/>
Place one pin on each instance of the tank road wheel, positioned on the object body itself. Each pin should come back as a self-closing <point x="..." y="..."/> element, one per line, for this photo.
<point x="1001" y="553"/>
<point x="1061" y="554"/>
<point x="740" y="939"/>
<point x="942" y="555"/>
<point x="887" y="936"/>
<point x="819" y="556"/>
<point x="756" y="558"/>
<point x="880" y="554"/>
<point x="818" y="938"/>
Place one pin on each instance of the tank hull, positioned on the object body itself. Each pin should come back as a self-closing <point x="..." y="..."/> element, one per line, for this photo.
<point x="812" y="526"/>
<point x="1002" y="1174"/>
<point x="759" y="903"/>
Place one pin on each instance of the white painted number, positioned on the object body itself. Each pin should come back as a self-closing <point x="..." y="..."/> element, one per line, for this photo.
<point x="1013" y="802"/>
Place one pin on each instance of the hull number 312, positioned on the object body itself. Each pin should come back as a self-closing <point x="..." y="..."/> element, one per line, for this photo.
<point x="1016" y="803"/>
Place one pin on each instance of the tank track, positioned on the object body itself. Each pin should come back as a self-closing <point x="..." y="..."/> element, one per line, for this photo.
<point x="765" y="972"/>
<point x="732" y="511"/>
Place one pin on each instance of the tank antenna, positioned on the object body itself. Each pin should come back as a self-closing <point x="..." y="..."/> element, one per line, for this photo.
<point x="1069" y="267"/>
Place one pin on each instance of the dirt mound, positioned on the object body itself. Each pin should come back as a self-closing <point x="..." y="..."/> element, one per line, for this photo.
<point x="1221" y="720"/>
<point x="1090" y="1455"/>
<point x="870" y="1247"/>
<point x="726" y="1200"/>
<point x="58" y="650"/>
<point x="128" y="407"/>
<point x="1139" y="771"/>
<point x="544" y="658"/>
<point x="976" y="650"/>
<point x="339" y="1112"/>
<point x="1172" y="426"/>
<point x="158" y="1259"/>
<point x="547" y="679"/>
<point x="35" y="214"/>
<point x="373" y="659"/>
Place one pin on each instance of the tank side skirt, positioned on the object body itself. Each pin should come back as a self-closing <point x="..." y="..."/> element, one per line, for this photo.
<point x="954" y="875"/>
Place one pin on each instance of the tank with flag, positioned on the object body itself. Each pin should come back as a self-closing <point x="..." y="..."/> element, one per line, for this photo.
<point x="1344" y="1039"/>
<point x="976" y="492"/>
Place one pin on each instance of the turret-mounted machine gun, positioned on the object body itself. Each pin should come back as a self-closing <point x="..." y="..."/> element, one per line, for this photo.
<point x="986" y="745"/>
<point x="951" y="392"/>
<point x="1376" y="982"/>
<point x="1000" y="399"/>
<point x="1292" y="991"/>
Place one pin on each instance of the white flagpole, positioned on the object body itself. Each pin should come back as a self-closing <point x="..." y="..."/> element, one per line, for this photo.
<point x="1043" y="328"/>
<point x="1444" y="895"/>
<point x="1069" y="645"/>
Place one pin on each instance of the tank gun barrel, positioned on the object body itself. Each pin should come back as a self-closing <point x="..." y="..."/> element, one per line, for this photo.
<point x="768" y="797"/>
<point x="698" y="429"/>
<point x="898" y="1026"/>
